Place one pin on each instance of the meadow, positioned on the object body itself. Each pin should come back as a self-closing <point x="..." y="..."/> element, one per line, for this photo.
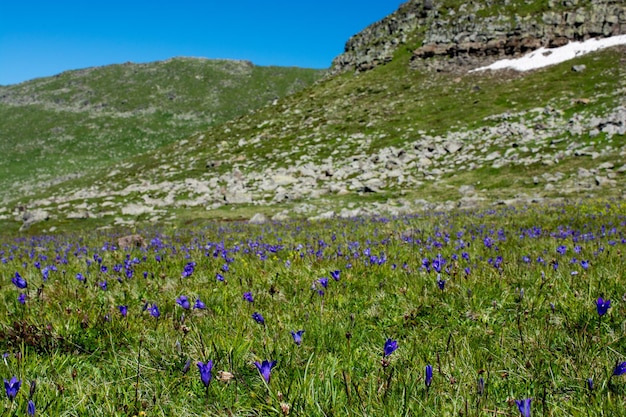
<point x="497" y="312"/>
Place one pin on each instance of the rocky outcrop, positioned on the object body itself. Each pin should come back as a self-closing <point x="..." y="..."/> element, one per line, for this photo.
<point x="477" y="32"/>
<point x="470" y="42"/>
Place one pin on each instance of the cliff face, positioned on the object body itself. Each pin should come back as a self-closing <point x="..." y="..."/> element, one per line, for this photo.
<point x="478" y="32"/>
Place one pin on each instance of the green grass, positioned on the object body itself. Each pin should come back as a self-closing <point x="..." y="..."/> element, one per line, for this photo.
<point x="78" y="121"/>
<point x="543" y="344"/>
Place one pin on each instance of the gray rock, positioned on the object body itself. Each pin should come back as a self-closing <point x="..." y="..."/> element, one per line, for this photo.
<point x="258" y="218"/>
<point x="579" y="68"/>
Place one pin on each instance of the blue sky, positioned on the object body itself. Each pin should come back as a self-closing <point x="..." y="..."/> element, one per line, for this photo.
<point x="45" y="37"/>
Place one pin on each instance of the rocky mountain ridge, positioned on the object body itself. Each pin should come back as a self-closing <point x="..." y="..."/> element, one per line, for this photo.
<point x="476" y="33"/>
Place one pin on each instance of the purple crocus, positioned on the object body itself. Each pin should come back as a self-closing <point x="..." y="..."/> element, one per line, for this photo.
<point x="154" y="311"/>
<point x="123" y="310"/>
<point x="390" y="347"/>
<point x="602" y="306"/>
<point x="258" y="318"/>
<point x="247" y="296"/>
<point x="265" y="369"/>
<point x="620" y="369"/>
<point x="183" y="301"/>
<point x="335" y="274"/>
<point x="441" y="283"/>
<point x="80" y="277"/>
<point x="31" y="408"/>
<point x="12" y="387"/>
<point x="199" y="304"/>
<point x="18" y="281"/>
<point x="524" y="406"/>
<point x="297" y="336"/>
<point x="429" y="376"/>
<point x="219" y="277"/>
<point x="21" y="298"/>
<point x="323" y="282"/>
<point x="205" y="372"/>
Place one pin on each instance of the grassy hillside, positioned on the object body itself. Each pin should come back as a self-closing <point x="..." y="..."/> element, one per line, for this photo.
<point x="63" y="126"/>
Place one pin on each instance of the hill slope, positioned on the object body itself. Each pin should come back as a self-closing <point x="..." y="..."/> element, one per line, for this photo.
<point x="418" y="132"/>
<point x="60" y="127"/>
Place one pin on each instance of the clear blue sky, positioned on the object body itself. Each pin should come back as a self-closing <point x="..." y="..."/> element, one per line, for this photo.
<point x="45" y="37"/>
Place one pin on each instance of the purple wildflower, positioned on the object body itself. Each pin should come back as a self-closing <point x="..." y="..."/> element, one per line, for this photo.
<point x="524" y="406"/>
<point x="335" y="274"/>
<point x="154" y="311"/>
<point x="12" y="387"/>
<point x="297" y="336"/>
<point x="265" y="369"/>
<point x="429" y="376"/>
<point x="199" y="304"/>
<point x="205" y="372"/>
<point x="247" y="296"/>
<point x="258" y="318"/>
<point x="183" y="301"/>
<point x="21" y="298"/>
<point x="390" y="347"/>
<point x="18" y="281"/>
<point x="123" y="310"/>
<point x="602" y="306"/>
<point x="620" y="369"/>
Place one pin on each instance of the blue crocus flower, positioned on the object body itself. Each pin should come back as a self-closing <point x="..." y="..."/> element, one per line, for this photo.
<point x="620" y="369"/>
<point x="323" y="282"/>
<point x="524" y="406"/>
<point x="183" y="301"/>
<point x="335" y="274"/>
<point x="429" y="375"/>
<point x="123" y="310"/>
<point x="247" y="296"/>
<point x="390" y="347"/>
<point x="265" y="369"/>
<point x="18" y="281"/>
<point x="31" y="408"/>
<point x="258" y="318"/>
<point x="205" y="372"/>
<point x="602" y="306"/>
<point x="297" y="336"/>
<point x="199" y="304"/>
<point x="154" y="311"/>
<point x="21" y="298"/>
<point x="12" y="387"/>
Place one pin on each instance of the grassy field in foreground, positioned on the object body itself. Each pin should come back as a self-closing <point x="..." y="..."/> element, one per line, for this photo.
<point x="502" y="306"/>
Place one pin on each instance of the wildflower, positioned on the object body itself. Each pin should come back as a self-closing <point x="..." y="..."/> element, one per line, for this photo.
<point x="390" y="347"/>
<point x="186" y="367"/>
<point x="103" y="285"/>
<point x="21" y="298"/>
<point x="18" y="281"/>
<point x="441" y="283"/>
<point x="323" y="282"/>
<point x="335" y="274"/>
<point x="188" y="269"/>
<point x="590" y="384"/>
<point x="31" y="408"/>
<point x="247" y="296"/>
<point x="602" y="306"/>
<point x="620" y="369"/>
<point x="154" y="311"/>
<point x="219" y="277"/>
<point x="265" y="369"/>
<point x="524" y="406"/>
<point x="258" y="318"/>
<point x="297" y="336"/>
<point x="481" y="386"/>
<point x="429" y="375"/>
<point x="199" y="304"/>
<point x="123" y="310"/>
<point x="183" y="301"/>
<point x="12" y="387"/>
<point x="205" y="372"/>
<point x="80" y="277"/>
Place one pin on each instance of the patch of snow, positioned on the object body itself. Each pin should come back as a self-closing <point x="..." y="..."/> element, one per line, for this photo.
<point x="544" y="57"/>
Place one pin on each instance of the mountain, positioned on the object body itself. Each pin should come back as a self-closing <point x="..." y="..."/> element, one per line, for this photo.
<point x="400" y="124"/>
<point x="57" y="128"/>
